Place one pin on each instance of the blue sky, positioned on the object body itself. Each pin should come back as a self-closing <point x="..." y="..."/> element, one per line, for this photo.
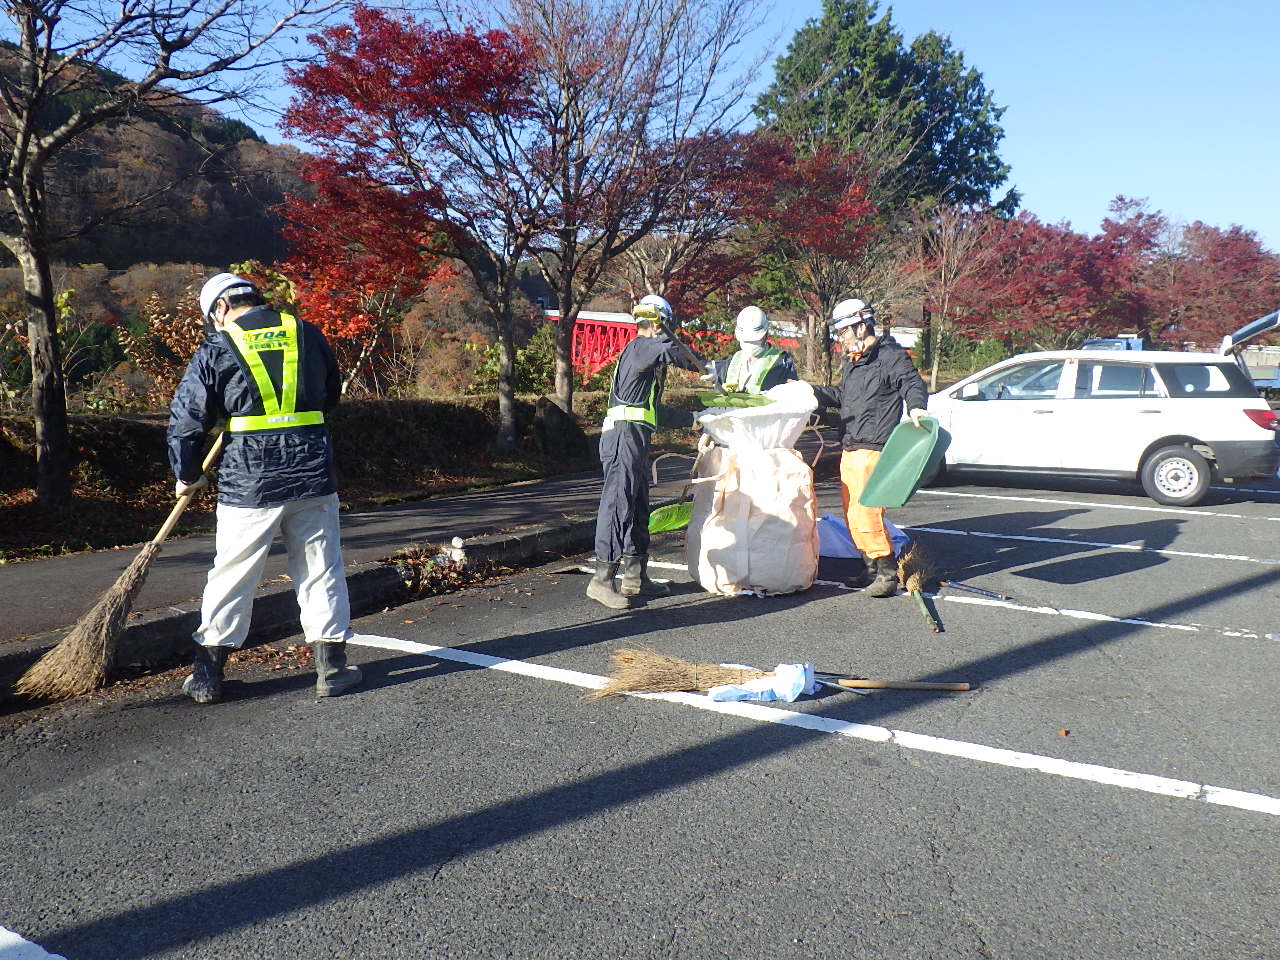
<point x="1177" y="102"/>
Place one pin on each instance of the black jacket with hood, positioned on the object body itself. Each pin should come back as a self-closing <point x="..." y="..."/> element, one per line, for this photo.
<point x="873" y="393"/>
<point x="269" y="467"/>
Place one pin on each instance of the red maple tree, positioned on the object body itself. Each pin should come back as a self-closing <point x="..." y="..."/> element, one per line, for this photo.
<point x="1045" y="287"/>
<point x="415" y="124"/>
<point x="360" y="255"/>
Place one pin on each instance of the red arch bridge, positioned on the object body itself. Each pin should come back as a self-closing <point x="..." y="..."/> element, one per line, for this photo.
<point x="599" y="336"/>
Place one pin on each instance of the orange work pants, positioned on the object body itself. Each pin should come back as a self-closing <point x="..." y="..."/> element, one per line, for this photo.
<point x="866" y="524"/>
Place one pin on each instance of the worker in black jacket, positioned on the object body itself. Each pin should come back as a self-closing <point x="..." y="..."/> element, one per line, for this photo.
<point x="877" y="381"/>
<point x="270" y="378"/>
<point x="622" y="525"/>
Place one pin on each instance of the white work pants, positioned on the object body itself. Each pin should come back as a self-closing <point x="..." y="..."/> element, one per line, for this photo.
<point x="244" y="536"/>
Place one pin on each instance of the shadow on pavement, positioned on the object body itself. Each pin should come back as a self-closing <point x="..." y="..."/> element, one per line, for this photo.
<point x="218" y="908"/>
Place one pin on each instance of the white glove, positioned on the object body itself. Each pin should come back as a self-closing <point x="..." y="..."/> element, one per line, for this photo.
<point x="710" y="375"/>
<point x="916" y="414"/>
<point x="181" y="489"/>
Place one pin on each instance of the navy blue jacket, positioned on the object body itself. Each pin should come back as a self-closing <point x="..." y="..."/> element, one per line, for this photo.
<point x="872" y="394"/>
<point x="257" y="469"/>
<point x="642" y="362"/>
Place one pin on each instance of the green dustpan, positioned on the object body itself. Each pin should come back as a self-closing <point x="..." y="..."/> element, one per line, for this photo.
<point x="911" y="453"/>
<point x="674" y="516"/>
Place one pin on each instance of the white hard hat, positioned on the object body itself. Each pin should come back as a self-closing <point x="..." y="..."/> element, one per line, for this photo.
<point x="752" y="325"/>
<point x="848" y="312"/>
<point x="219" y="286"/>
<point x="655" y="302"/>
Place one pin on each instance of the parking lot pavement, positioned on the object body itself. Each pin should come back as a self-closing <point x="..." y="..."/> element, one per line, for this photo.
<point x="1109" y="788"/>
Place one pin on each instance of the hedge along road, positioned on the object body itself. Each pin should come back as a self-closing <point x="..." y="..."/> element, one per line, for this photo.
<point x="1109" y="789"/>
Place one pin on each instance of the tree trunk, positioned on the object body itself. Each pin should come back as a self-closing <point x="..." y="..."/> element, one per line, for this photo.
<point x="810" y="344"/>
<point x="926" y="338"/>
<point x="564" y="360"/>
<point x="48" y="391"/>
<point x="933" y="367"/>
<point x="506" y="442"/>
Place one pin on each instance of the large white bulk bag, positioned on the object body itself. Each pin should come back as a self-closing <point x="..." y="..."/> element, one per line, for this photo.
<point x="754" y="523"/>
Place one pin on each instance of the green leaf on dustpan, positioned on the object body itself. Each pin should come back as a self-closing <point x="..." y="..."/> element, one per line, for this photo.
<point x="709" y="398"/>
<point x="674" y="516"/>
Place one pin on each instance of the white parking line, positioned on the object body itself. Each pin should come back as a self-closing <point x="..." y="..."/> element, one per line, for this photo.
<point x="1136" y="548"/>
<point x="13" y="947"/>
<point x="1110" y="776"/>
<point x="1183" y="511"/>
<point x="1029" y="607"/>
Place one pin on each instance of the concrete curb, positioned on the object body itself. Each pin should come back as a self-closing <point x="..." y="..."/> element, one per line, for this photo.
<point x="156" y="636"/>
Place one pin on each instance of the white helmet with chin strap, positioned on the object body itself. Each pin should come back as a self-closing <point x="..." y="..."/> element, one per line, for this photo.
<point x="846" y="313"/>
<point x="752" y="325"/>
<point x="654" y="309"/>
<point x="220" y="286"/>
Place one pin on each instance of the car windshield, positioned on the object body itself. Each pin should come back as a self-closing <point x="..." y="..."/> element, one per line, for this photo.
<point x="1205" y="380"/>
<point x="1025" y="381"/>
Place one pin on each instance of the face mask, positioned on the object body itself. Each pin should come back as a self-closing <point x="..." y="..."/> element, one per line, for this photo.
<point x="753" y="349"/>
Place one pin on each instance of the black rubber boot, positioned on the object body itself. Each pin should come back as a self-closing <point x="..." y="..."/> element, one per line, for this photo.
<point x="863" y="579"/>
<point x="886" y="582"/>
<point x="635" y="579"/>
<point x="602" y="589"/>
<point x="333" y="676"/>
<point x="205" y="683"/>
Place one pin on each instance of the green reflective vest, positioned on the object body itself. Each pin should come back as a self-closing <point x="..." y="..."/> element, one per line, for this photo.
<point x="646" y="414"/>
<point x="738" y="368"/>
<point x="279" y="410"/>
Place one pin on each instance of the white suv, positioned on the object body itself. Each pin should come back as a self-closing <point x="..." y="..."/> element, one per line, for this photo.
<point x="1174" y="421"/>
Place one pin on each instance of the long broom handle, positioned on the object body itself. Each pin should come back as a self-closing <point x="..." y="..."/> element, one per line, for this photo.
<point x="185" y="499"/>
<point x="692" y="357"/>
<point x="896" y="684"/>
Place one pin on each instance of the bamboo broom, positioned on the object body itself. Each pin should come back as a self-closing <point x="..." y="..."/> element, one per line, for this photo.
<point x="648" y="671"/>
<point x="81" y="660"/>
<point x="914" y="569"/>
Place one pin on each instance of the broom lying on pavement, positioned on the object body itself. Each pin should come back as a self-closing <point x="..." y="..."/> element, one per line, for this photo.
<point x="648" y="671"/>
<point x="81" y="660"/>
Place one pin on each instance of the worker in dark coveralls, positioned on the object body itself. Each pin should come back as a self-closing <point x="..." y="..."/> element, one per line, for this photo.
<point x="878" y="381"/>
<point x="622" y="525"/>
<point x="271" y="378"/>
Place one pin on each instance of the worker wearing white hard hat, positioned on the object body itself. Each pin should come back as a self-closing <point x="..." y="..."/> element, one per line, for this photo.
<point x="757" y="365"/>
<point x="878" y="380"/>
<point x="269" y="378"/>
<point x="634" y="412"/>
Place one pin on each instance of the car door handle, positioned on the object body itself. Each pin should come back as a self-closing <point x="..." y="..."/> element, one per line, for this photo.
<point x="1042" y="411"/>
<point x="1151" y="411"/>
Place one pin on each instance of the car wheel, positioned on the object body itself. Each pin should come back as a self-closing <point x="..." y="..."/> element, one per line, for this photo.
<point x="1176" y="476"/>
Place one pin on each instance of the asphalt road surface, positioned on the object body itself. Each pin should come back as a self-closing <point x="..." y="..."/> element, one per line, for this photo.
<point x="1110" y="788"/>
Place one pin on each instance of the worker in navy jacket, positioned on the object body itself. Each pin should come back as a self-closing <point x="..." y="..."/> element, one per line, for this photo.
<point x="269" y="379"/>
<point x="634" y="412"/>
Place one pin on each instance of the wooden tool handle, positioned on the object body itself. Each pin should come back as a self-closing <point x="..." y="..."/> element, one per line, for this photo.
<point x="172" y="520"/>
<point x="897" y="685"/>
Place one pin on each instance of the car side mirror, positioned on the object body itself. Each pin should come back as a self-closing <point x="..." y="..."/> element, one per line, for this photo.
<point x="971" y="391"/>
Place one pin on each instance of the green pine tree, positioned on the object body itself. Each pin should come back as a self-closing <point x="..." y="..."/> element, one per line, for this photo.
<point x="923" y="118"/>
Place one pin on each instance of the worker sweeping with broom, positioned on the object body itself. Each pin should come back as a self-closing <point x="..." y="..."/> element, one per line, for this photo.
<point x="877" y="381"/>
<point x="271" y="378"/>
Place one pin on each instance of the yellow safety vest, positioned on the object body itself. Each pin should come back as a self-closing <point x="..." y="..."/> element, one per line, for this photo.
<point x="646" y="414"/>
<point x="279" y="411"/>
<point x="738" y="364"/>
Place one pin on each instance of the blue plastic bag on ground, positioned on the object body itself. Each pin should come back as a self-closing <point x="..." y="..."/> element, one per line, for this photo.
<point x="834" y="539"/>
<point x="787" y="682"/>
